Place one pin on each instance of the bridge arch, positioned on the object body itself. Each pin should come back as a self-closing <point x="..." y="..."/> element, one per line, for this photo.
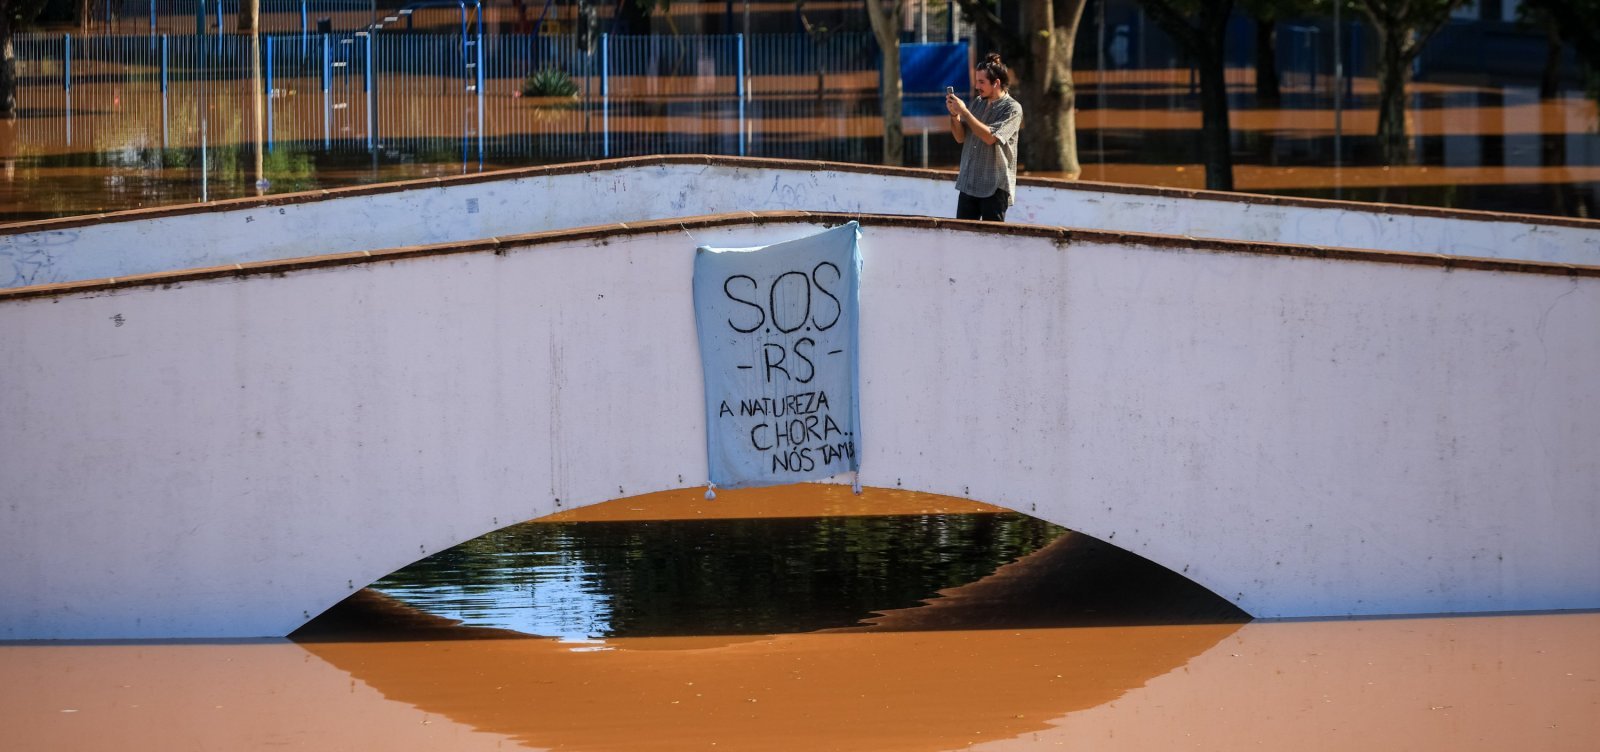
<point x="1307" y="432"/>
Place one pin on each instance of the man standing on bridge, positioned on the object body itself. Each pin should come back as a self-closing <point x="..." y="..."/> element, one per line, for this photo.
<point x="988" y="136"/>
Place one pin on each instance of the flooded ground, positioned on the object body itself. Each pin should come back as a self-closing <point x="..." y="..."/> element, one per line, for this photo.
<point x="806" y="618"/>
<point x="1036" y="638"/>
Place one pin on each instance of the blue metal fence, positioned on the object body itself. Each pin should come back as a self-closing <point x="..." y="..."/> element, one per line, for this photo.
<point x="208" y="17"/>
<point x="457" y="94"/>
<point x="440" y="96"/>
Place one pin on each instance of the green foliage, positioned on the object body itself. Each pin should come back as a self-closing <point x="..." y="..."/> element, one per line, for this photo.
<point x="1279" y="10"/>
<point x="20" y="13"/>
<point x="1413" y="21"/>
<point x="549" y="82"/>
<point x="1574" y="21"/>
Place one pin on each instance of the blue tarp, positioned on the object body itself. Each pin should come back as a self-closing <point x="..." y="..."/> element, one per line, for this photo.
<point x="779" y="335"/>
<point x="931" y="67"/>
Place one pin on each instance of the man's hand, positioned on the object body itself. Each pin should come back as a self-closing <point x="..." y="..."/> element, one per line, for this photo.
<point x="957" y="108"/>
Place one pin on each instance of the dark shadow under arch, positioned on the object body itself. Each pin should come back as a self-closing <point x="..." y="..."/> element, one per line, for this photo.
<point x="792" y="560"/>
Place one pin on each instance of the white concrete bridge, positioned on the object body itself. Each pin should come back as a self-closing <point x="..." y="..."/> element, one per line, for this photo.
<point x="1304" y="431"/>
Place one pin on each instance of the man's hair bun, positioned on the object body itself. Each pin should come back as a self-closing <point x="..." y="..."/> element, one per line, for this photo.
<point x="996" y="69"/>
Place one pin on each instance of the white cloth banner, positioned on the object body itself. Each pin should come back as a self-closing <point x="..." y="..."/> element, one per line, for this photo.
<point x="778" y="339"/>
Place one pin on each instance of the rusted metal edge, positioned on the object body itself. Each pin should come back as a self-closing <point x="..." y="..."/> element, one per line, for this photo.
<point x="288" y="199"/>
<point x="1061" y="235"/>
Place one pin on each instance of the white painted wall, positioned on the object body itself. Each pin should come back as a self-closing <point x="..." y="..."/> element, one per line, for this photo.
<point x="1305" y="437"/>
<point x="631" y="192"/>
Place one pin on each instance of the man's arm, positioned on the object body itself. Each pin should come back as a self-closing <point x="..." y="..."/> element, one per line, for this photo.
<point x="953" y="104"/>
<point x="978" y="129"/>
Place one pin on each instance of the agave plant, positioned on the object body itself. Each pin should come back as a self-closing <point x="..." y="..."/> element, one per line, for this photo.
<point x="549" y="82"/>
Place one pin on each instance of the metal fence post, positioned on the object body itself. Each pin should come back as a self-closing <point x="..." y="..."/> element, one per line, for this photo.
<point x="327" y="85"/>
<point x="367" y="83"/>
<point x="1312" y="57"/>
<point x="268" y="67"/>
<point x="164" y="68"/>
<point x="66" y="81"/>
<point x="480" y="95"/>
<point x="605" y="65"/>
<point x="739" y="89"/>
<point x="1338" y="99"/>
<point x="605" y="95"/>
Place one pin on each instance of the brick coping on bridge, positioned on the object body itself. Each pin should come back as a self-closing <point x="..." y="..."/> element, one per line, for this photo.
<point x="1060" y="235"/>
<point x="305" y="197"/>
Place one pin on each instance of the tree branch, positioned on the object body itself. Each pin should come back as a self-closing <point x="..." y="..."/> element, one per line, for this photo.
<point x="1176" y="24"/>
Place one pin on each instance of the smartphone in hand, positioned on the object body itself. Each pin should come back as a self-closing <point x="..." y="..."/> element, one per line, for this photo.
<point x="949" y="91"/>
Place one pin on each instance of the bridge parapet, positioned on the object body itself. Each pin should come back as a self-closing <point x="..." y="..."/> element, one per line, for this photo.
<point x="516" y="202"/>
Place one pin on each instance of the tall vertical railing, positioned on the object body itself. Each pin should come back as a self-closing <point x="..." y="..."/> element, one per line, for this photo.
<point x="368" y="89"/>
<point x="742" y="76"/>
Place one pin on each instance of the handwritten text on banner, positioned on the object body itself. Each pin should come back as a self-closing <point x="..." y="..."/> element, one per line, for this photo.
<point x="778" y="339"/>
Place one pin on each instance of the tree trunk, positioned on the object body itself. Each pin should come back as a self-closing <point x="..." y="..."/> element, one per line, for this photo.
<point x="8" y="70"/>
<point x="1553" y="155"/>
<point x="1268" y="87"/>
<point x="1204" y="40"/>
<point x="252" y="8"/>
<point x="890" y="94"/>
<point x="1577" y="28"/>
<point x="249" y="16"/>
<point x="885" y="16"/>
<point x="822" y="80"/>
<point x="819" y="38"/>
<point x="1394" y="68"/>
<point x="1049" y="98"/>
<point x="1550" y="77"/>
<point x="1215" y="132"/>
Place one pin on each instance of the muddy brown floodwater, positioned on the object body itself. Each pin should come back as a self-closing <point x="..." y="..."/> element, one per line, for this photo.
<point x="974" y="667"/>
